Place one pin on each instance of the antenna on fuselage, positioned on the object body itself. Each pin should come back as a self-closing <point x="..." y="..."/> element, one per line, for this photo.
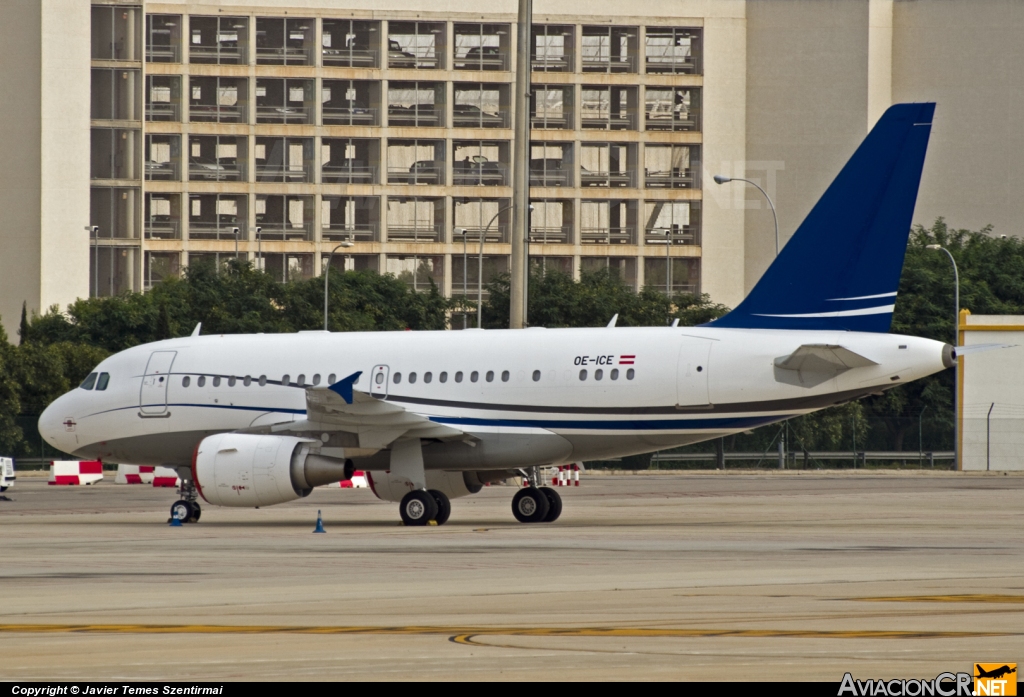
<point x="195" y="332"/>
<point x="675" y="322"/>
<point x="613" y="320"/>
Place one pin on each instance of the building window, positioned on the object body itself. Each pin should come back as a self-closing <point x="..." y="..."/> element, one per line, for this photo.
<point x="551" y="50"/>
<point x="116" y="32"/>
<point x="610" y="49"/>
<point x="287" y="267"/>
<point x="416" y="45"/>
<point x="163" y="38"/>
<point x="467" y="280"/>
<point x="163" y="98"/>
<point x="350" y="43"/>
<point x="114" y="211"/>
<point x="481" y="163"/>
<point x="416" y="104"/>
<point x="219" y="40"/>
<point x="673" y="50"/>
<point x="672" y="275"/>
<point x="162" y="217"/>
<point x="551" y="164"/>
<point x="215" y="216"/>
<point x="160" y="265"/>
<point x="551" y="106"/>
<point x="288" y="41"/>
<point x="416" y="161"/>
<point x="285" y="217"/>
<point x="551" y="221"/>
<point x="608" y="164"/>
<point x="481" y="218"/>
<point x="285" y="101"/>
<point x="482" y="46"/>
<point x="608" y="108"/>
<point x="420" y="273"/>
<point x="672" y="108"/>
<point x="672" y="166"/>
<point x="352" y="262"/>
<point x="622" y="267"/>
<point x="218" y="99"/>
<point x="163" y="157"/>
<point x="115" y="95"/>
<point x="677" y="222"/>
<point x="480" y="105"/>
<point x="217" y="158"/>
<point x="350" y="103"/>
<point x="609" y="221"/>
<point x="549" y="264"/>
<point x="349" y="160"/>
<point x="112" y="270"/>
<point x="114" y="153"/>
<point x="350" y="218"/>
<point x="415" y="219"/>
<point x="288" y="160"/>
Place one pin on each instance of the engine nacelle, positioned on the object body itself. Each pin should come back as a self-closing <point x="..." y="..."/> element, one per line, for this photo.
<point x="390" y="487"/>
<point x="246" y="470"/>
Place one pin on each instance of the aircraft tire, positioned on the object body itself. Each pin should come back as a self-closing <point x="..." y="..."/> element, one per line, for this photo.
<point x="554" y="504"/>
<point x="444" y="506"/>
<point x="417" y="508"/>
<point x="530" y="505"/>
<point x="182" y="510"/>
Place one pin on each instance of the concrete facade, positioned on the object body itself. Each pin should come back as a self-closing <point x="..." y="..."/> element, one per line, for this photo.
<point x="783" y="92"/>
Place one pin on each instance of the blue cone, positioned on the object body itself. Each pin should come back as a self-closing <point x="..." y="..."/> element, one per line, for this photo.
<point x="319" y="523"/>
<point x="175" y="521"/>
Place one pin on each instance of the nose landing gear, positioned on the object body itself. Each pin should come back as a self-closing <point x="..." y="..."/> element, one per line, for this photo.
<point x="187" y="509"/>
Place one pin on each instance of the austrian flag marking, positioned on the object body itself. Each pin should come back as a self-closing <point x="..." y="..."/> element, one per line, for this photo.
<point x="626" y="360"/>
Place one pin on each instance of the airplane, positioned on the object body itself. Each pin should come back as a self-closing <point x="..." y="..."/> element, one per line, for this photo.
<point x="258" y="420"/>
<point x="996" y="673"/>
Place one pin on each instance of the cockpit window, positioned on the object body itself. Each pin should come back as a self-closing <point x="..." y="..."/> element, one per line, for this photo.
<point x="89" y="382"/>
<point x="104" y="380"/>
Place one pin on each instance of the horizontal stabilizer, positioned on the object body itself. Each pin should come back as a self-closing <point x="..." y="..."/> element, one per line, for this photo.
<point x="813" y="364"/>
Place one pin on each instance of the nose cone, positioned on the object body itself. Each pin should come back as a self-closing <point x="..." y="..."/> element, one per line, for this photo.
<point x="57" y="425"/>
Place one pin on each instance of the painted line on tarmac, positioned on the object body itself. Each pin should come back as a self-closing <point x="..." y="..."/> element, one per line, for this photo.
<point x="962" y="598"/>
<point x="464" y="634"/>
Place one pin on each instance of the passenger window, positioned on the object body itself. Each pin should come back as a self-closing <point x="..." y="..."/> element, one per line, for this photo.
<point x="285" y="380"/>
<point x="583" y="375"/>
<point x="427" y="377"/>
<point x="216" y="381"/>
<point x="398" y="378"/>
<point x="504" y="376"/>
<point x="536" y="376"/>
<point x="474" y="376"/>
<point x="614" y="375"/>
<point x="103" y="381"/>
<point x="490" y="376"/>
<point x="201" y="381"/>
<point x="231" y="381"/>
<point x="412" y="378"/>
<point x="247" y="380"/>
<point x="443" y="377"/>
<point x="331" y="379"/>
<point x="458" y="376"/>
<point x="598" y="374"/>
<point x="263" y="380"/>
<point x="185" y="381"/>
<point x="316" y="379"/>
<point x="89" y="382"/>
<point x="301" y="380"/>
<point x="630" y="374"/>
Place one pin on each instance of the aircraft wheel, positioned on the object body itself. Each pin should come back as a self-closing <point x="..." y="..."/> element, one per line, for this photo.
<point x="555" y="504"/>
<point x="182" y="510"/>
<point x="444" y="506"/>
<point x="196" y="512"/>
<point x="418" y="508"/>
<point x="530" y="505"/>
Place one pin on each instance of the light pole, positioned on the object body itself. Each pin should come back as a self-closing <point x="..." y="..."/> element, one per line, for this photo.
<point x="668" y="262"/>
<point x="956" y="341"/>
<point x="235" y="231"/>
<point x="94" y="235"/>
<point x="465" y="272"/>
<point x="327" y="271"/>
<point x="480" y="266"/>
<point x="721" y="179"/>
<point x="259" y="246"/>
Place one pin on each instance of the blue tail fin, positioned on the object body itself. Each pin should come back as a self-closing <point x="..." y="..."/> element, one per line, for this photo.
<point x="841" y="268"/>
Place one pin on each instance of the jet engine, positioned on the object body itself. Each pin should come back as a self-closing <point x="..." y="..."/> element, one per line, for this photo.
<point x="390" y="487"/>
<point x="246" y="470"/>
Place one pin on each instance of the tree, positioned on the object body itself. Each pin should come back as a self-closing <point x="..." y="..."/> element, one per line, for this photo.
<point x="11" y="437"/>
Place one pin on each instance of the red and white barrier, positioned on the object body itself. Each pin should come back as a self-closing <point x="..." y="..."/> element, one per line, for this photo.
<point x="75" y="472"/>
<point x="567" y="475"/>
<point x="358" y="481"/>
<point x="147" y="474"/>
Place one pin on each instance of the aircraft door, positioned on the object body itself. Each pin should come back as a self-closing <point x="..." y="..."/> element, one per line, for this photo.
<point x="379" y="381"/>
<point x="692" y="373"/>
<point x="153" y="396"/>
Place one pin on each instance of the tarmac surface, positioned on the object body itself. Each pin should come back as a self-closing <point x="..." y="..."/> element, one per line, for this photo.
<point x="712" y="576"/>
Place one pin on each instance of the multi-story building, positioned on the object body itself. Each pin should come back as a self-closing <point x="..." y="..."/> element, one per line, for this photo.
<point x="140" y="137"/>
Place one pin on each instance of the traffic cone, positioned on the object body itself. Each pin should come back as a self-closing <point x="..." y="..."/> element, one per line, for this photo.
<point x="319" y="523"/>
<point x="175" y="521"/>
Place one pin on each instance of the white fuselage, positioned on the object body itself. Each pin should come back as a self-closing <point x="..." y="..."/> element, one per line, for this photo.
<point x="541" y="396"/>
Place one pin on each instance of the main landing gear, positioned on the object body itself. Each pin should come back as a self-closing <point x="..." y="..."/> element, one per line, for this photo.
<point x="187" y="509"/>
<point x="425" y="507"/>
<point x="537" y="505"/>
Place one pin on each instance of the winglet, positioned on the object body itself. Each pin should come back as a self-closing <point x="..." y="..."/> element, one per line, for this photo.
<point x="195" y="332"/>
<point x="343" y="387"/>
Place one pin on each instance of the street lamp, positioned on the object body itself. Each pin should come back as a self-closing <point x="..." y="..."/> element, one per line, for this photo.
<point x="465" y="272"/>
<point x="956" y="340"/>
<point x="259" y="246"/>
<point x="720" y="179"/>
<point x="94" y="234"/>
<point x="327" y="271"/>
<point x="480" y="265"/>
<point x="234" y="230"/>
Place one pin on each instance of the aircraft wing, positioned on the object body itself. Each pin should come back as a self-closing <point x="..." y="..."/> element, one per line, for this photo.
<point x="378" y="423"/>
<point x="813" y="364"/>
